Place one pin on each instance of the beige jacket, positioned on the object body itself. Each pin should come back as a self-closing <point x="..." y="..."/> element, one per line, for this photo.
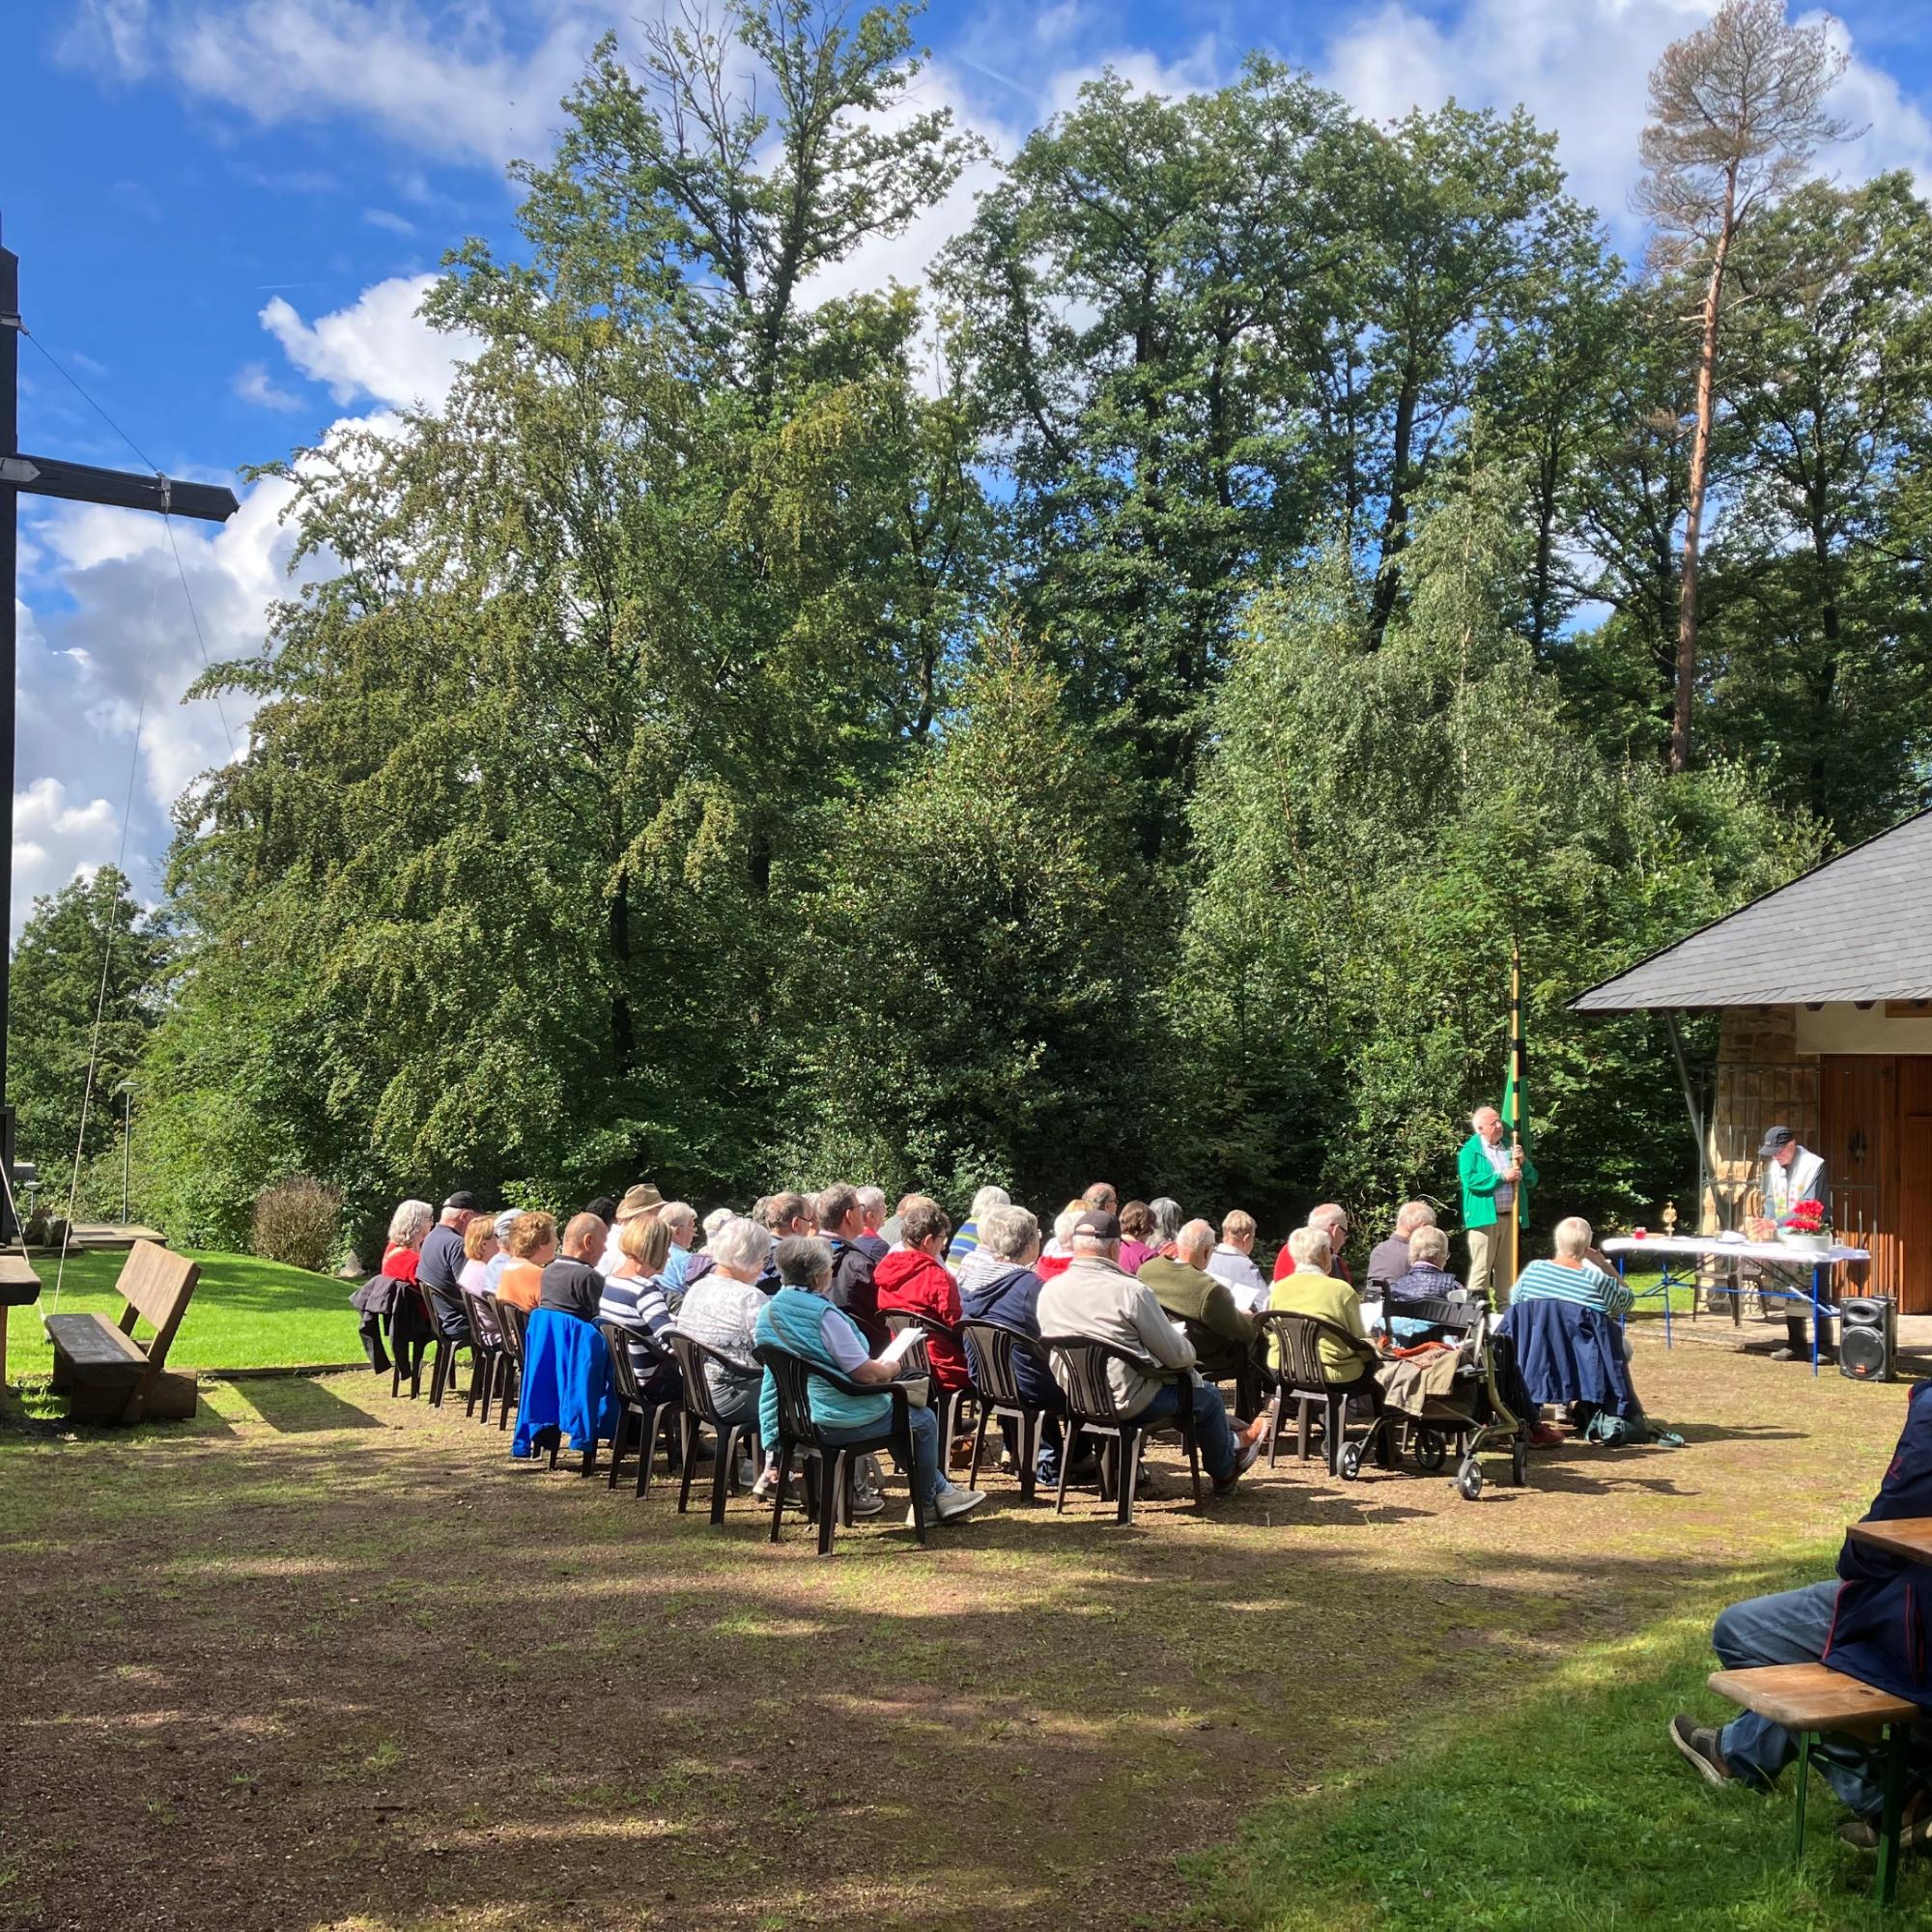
<point x="1098" y="1302"/>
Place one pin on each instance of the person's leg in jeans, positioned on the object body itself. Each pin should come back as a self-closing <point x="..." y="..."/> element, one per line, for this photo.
<point x="1211" y="1422"/>
<point x="1788" y="1627"/>
<point x="926" y="1474"/>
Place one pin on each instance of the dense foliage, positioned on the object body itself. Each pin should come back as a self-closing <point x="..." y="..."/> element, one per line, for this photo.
<point x="1109" y="712"/>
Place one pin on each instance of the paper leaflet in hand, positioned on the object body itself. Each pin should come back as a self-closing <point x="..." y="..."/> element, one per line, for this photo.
<point x="902" y="1345"/>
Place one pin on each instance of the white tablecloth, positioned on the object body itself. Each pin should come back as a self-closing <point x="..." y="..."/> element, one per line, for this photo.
<point x="1713" y="1246"/>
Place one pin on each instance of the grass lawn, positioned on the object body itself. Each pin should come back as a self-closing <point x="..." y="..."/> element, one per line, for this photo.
<point x="322" y="1661"/>
<point x="246" y="1314"/>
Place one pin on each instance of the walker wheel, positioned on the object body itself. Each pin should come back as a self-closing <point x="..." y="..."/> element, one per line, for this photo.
<point x="1430" y="1450"/>
<point x="1469" y="1480"/>
<point x="1349" y="1463"/>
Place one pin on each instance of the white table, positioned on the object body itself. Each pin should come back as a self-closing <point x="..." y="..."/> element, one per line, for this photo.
<point x="1706" y="1248"/>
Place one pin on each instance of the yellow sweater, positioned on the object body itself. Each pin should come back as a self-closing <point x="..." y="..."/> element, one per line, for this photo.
<point x="1331" y="1300"/>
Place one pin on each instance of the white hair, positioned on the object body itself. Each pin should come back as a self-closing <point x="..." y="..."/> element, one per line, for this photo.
<point x="1413" y="1214"/>
<point x="871" y="1199"/>
<point x="1065" y="1221"/>
<point x="741" y="1244"/>
<point x="1007" y="1231"/>
<point x="716" y="1219"/>
<point x="1572" y="1238"/>
<point x="1166" y="1212"/>
<point x="1309" y="1245"/>
<point x="1429" y="1244"/>
<point x="409" y="1223"/>
<point x="1196" y="1238"/>
<point x="986" y="1201"/>
<point x="678" y="1214"/>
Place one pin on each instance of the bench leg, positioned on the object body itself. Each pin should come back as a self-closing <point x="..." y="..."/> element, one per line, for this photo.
<point x="1898" y="1746"/>
<point x="1804" y="1791"/>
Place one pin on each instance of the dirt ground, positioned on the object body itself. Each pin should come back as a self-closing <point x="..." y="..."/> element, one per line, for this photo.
<point x="324" y="1661"/>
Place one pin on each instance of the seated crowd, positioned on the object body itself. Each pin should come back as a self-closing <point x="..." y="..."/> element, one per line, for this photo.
<point x="822" y="1276"/>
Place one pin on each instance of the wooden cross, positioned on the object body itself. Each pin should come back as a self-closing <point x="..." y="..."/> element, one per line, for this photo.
<point x="81" y="483"/>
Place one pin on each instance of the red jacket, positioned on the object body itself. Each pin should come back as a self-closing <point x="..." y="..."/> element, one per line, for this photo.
<point x="1284" y="1266"/>
<point x="908" y="1279"/>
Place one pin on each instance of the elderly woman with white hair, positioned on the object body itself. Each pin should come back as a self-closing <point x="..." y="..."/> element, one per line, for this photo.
<point x="1309" y="1288"/>
<point x="1571" y="1275"/>
<point x="720" y="1310"/>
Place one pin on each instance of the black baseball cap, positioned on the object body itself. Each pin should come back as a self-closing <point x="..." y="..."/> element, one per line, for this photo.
<point x="1097" y="1225"/>
<point x="1775" y="1141"/>
<point x="463" y="1198"/>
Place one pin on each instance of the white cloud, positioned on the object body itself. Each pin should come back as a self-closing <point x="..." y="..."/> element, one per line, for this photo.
<point x="377" y="347"/>
<point x="452" y="81"/>
<point x="107" y="637"/>
<point x="254" y="384"/>
<point x="57" y="839"/>
<point x="1581" y="67"/>
<point x="383" y="217"/>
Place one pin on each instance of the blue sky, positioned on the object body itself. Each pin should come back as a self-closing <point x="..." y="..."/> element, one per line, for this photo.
<point x="222" y="208"/>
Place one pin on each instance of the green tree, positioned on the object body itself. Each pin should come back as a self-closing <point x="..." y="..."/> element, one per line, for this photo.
<point x="1818" y="645"/>
<point x="85" y="997"/>
<point x="1375" y="826"/>
<point x="968" y="978"/>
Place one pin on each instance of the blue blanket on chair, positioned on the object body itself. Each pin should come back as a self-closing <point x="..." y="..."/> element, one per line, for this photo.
<point x="566" y="1381"/>
<point x="1566" y="1354"/>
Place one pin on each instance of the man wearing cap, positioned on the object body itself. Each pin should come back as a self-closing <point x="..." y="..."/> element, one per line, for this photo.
<point x="1095" y="1299"/>
<point x="441" y="1264"/>
<point x="1792" y="1173"/>
<point x="642" y="1199"/>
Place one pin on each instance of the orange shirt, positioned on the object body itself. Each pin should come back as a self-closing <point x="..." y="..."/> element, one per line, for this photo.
<point x="521" y="1284"/>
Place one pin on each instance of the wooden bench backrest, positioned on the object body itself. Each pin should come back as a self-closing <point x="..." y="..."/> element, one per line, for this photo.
<point x="157" y="1283"/>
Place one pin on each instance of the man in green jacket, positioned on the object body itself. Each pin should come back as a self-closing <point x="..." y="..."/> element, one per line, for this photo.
<point x="1222" y="1332"/>
<point x="1493" y="1183"/>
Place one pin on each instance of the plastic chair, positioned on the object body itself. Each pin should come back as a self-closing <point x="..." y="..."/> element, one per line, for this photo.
<point x="512" y="1319"/>
<point x="799" y="1430"/>
<point x="486" y="1349"/>
<point x="950" y="1401"/>
<point x="1093" y="1408"/>
<point x="995" y="1350"/>
<point x="651" y="1413"/>
<point x="1294" y="1367"/>
<point x="701" y="1410"/>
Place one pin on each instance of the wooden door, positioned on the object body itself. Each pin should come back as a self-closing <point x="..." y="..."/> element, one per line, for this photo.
<point x="1912" y="1215"/>
<point x="1858" y="1096"/>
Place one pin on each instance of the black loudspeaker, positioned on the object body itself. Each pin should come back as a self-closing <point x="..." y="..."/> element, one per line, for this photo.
<point x="1868" y="1337"/>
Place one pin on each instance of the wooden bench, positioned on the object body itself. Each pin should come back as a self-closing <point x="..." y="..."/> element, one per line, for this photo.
<point x="107" y="1375"/>
<point x="19" y="1288"/>
<point x="1812" y="1699"/>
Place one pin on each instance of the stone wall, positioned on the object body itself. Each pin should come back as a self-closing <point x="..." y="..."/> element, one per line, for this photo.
<point x="1763" y="1081"/>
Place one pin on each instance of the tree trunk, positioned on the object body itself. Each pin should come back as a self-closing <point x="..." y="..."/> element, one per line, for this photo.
<point x="1700" y="462"/>
<point x="623" y="1027"/>
<point x="1395" y="525"/>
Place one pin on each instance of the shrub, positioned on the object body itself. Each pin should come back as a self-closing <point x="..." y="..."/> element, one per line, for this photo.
<point x="299" y="1222"/>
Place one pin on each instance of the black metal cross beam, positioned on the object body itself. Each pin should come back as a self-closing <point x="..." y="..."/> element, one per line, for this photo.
<point x="77" y="482"/>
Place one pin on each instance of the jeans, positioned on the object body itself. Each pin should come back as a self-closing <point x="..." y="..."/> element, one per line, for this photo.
<point x="1046" y="1468"/>
<point x="1789" y="1628"/>
<point x="926" y="1474"/>
<point x="1210" y="1421"/>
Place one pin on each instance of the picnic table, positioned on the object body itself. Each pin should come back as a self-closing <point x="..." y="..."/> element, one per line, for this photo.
<point x="1705" y="1249"/>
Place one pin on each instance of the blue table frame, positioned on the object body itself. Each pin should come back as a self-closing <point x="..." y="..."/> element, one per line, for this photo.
<point x="1675" y="1277"/>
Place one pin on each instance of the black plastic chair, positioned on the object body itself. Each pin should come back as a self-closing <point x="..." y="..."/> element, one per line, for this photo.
<point x="1294" y="1367"/>
<point x="443" y="1370"/>
<point x="1093" y="1408"/>
<point x="949" y="1401"/>
<point x="512" y="1319"/>
<point x="407" y="1330"/>
<point x="650" y="1413"/>
<point x="486" y="1350"/>
<point x="993" y="1348"/>
<point x="799" y="1432"/>
<point x="701" y="1410"/>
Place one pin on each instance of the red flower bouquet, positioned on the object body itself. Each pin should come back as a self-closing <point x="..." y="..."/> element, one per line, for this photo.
<point x="1807" y="1218"/>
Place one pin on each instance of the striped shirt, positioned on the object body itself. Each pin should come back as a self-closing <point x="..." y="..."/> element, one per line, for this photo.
<point x="1586" y="1286"/>
<point x="636" y="1304"/>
